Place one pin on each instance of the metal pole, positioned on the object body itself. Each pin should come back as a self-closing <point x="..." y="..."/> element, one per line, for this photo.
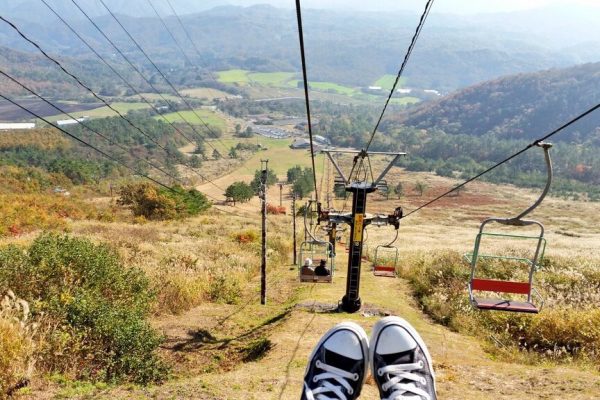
<point x="263" y="264"/>
<point x="294" y="223"/>
<point x="280" y="194"/>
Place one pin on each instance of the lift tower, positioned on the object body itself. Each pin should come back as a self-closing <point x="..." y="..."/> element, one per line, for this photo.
<point x="358" y="219"/>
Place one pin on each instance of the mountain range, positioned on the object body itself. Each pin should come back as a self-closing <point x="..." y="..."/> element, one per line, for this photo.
<point x="348" y="47"/>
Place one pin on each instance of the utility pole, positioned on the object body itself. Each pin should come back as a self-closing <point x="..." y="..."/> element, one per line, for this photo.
<point x="280" y="194"/>
<point x="294" y="224"/>
<point x="263" y="264"/>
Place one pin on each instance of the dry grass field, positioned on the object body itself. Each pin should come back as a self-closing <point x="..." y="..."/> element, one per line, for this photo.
<point x="222" y="344"/>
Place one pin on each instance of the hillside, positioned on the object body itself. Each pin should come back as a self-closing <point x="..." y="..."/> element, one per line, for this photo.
<point x="521" y="106"/>
<point x="343" y="47"/>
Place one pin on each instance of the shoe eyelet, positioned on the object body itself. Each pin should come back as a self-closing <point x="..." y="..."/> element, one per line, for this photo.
<point x="421" y="364"/>
<point x="423" y="381"/>
<point x="380" y="372"/>
<point x="355" y="378"/>
<point x="318" y="364"/>
<point x="315" y="380"/>
<point x="350" y="391"/>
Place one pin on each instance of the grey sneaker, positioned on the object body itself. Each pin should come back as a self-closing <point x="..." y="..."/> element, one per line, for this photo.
<point x="337" y="366"/>
<point x="401" y="364"/>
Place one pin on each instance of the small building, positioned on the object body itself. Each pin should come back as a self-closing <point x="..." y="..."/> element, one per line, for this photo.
<point x="8" y="126"/>
<point x="404" y="91"/>
<point x="300" y="144"/>
<point x="432" y="91"/>
<point x="375" y="88"/>
<point x="64" y="122"/>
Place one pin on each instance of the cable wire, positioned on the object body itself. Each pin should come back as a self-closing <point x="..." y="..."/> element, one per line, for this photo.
<point x="206" y="126"/>
<point x="88" y="127"/>
<point x="184" y="29"/>
<point x="169" y="32"/>
<point x="409" y="51"/>
<point x="136" y="69"/>
<point x="306" y="96"/>
<point x="549" y="135"/>
<point x="117" y="73"/>
<point x="89" y="145"/>
<point x="80" y="82"/>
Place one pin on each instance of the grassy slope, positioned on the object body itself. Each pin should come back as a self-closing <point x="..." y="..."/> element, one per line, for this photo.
<point x="464" y="370"/>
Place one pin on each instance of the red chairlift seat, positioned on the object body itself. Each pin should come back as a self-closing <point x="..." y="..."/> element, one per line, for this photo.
<point x="490" y="285"/>
<point x="384" y="270"/>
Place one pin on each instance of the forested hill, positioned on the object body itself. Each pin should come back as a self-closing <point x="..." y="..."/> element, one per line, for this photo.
<point x="523" y="106"/>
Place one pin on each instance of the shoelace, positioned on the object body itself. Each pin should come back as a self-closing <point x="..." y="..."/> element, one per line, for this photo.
<point x="403" y="372"/>
<point x="338" y="375"/>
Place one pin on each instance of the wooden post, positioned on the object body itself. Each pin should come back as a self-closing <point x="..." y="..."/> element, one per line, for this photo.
<point x="263" y="263"/>
<point x="294" y="223"/>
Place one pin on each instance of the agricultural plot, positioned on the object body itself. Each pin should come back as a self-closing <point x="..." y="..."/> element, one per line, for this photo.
<point x="103" y="112"/>
<point x="197" y="117"/>
<point x="205" y="93"/>
<point x="387" y="81"/>
<point x="238" y="76"/>
<point x="11" y="113"/>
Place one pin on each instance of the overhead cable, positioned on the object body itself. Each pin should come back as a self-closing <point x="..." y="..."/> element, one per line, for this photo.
<point x="534" y="143"/>
<point x="306" y="96"/>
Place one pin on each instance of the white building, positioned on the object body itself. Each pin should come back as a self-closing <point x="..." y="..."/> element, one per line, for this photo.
<point x="6" y="126"/>
<point x="64" y="122"/>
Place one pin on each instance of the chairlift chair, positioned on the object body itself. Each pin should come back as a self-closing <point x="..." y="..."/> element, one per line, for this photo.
<point x="314" y="249"/>
<point x="477" y="284"/>
<point x="380" y="265"/>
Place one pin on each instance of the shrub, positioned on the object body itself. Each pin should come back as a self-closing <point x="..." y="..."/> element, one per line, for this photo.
<point x="239" y="191"/>
<point x="155" y="203"/>
<point x="17" y="344"/>
<point x="275" y="210"/>
<point x="94" y="306"/>
<point x="246" y="236"/>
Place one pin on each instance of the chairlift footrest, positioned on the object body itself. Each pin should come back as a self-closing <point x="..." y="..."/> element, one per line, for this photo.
<point x="505" y="305"/>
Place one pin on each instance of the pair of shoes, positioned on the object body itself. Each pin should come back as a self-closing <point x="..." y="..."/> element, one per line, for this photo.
<point x="400" y="363"/>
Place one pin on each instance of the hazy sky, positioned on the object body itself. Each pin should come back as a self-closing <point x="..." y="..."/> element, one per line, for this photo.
<point x="446" y="6"/>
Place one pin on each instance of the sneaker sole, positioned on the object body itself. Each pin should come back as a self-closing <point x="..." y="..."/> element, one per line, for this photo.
<point x="351" y="326"/>
<point x="387" y="321"/>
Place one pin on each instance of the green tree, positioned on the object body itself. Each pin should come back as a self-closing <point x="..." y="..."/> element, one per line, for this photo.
<point x="195" y="161"/>
<point x="233" y="153"/>
<point x="420" y="187"/>
<point x="216" y="155"/>
<point x="271" y="179"/>
<point x="399" y="189"/>
<point x="293" y="173"/>
<point x="239" y="191"/>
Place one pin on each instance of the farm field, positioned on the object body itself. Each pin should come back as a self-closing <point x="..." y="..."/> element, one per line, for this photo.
<point x="11" y="113"/>
<point x="205" y="93"/>
<point x="197" y="117"/>
<point x="387" y="81"/>
<point x="102" y="112"/>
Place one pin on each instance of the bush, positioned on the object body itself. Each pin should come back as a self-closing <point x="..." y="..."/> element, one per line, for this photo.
<point x="17" y="344"/>
<point x="94" y="306"/>
<point x="153" y="203"/>
<point x="247" y="236"/>
<point x="239" y="191"/>
<point x="275" y="210"/>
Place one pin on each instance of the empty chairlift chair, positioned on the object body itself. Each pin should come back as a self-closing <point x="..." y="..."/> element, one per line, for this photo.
<point x="385" y="260"/>
<point x="525" y="288"/>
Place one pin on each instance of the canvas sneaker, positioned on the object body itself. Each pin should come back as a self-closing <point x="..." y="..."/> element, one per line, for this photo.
<point x="400" y="362"/>
<point x="337" y="366"/>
